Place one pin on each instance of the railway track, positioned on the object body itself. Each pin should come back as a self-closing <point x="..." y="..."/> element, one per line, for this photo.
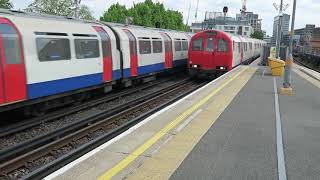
<point x="23" y="138"/>
<point x="300" y="62"/>
<point x="26" y="124"/>
<point x="44" y="154"/>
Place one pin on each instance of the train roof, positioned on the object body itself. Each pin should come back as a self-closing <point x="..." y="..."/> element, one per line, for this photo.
<point x="227" y="34"/>
<point x="19" y="13"/>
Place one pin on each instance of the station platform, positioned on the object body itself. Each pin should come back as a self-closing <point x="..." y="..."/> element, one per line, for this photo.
<point x="236" y="127"/>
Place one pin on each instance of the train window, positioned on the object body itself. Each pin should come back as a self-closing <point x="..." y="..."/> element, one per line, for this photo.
<point x="239" y="47"/>
<point x="197" y="45"/>
<point x="106" y="45"/>
<point x="145" y="47"/>
<point x="222" y="45"/>
<point x="87" y="48"/>
<point x="157" y="46"/>
<point x="11" y="44"/>
<point x="210" y="44"/>
<point x="177" y="45"/>
<point x="53" y="49"/>
<point x="185" y="45"/>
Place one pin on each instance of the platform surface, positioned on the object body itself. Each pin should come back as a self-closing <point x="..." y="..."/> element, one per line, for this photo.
<point x="226" y="130"/>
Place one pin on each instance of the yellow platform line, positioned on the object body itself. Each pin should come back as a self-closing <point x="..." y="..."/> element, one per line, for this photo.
<point x="131" y="157"/>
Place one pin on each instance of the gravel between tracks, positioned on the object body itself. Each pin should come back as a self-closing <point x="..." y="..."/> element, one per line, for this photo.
<point x="61" y="122"/>
<point x="102" y="130"/>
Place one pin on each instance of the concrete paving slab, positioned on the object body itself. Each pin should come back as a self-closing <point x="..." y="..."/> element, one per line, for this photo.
<point x="98" y="163"/>
<point x="301" y="129"/>
<point x="241" y="144"/>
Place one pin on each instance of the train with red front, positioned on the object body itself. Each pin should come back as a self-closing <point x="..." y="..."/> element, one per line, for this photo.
<point x="213" y="52"/>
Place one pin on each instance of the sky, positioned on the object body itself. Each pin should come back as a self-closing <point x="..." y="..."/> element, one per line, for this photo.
<point x="308" y="11"/>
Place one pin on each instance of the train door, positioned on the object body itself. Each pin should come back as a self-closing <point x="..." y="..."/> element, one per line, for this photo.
<point x="208" y="53"/>
<point x="106" y="52"/>
<point x="12" y="68"/>
<point x="168" y="50"/>
<point x="133" y="53"/>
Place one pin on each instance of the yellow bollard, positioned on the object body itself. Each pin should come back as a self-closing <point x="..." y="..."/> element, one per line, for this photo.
<point x="276" y="66"/>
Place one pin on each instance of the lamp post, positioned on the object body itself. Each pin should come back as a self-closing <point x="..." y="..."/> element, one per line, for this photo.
<point x="289" y="61"/>
<point x="279" y="29"/>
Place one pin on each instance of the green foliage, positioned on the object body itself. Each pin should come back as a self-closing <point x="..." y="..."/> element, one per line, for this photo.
<point x="85" y="13"/>
<point x="59" y="8"/>
<point x="146" y="14"/>
<point x="257" y="34"/>
<point x="6" y="4"/>
<point x="116" y="13"/>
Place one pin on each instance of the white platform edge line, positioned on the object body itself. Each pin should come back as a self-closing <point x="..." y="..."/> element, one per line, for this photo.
<point x="130" y="130"/>
<point x="282" y="174"/>
<point x="188" y="120"/>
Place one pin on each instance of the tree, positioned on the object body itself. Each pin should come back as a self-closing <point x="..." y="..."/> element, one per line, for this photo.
<point x="6" y="4"/>
<point x="147" y="14"/>
<point x="257" y="34"/>
<point x="116" y="13"/>
<point x="59" y="8"/>
<point x="85" y="13"/>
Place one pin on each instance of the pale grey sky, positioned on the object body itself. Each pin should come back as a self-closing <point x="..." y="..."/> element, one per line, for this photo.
<point x="308" y="11"/>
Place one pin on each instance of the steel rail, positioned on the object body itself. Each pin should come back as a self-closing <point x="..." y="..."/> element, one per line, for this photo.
<point x="29" y="145"/>
<point x="18" y="127"/>
<point x="24" y="159"/>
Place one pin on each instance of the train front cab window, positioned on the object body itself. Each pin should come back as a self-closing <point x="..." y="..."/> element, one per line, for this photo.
<point x="210" y="45"/>
<point x="12" y="67"/>
<point x="197" y="45"/>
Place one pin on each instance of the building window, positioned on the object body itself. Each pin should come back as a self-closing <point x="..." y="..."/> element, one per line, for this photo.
<point x="210" y="44"/>
<point x="222" y="45"/>
<point x="145" y="47"/>
<point x="11" y="44"/>
<point x="177" y="45"/>
<point x="247" y="28"/>
<point x="245" y="33"/>
<point x="87" y="48"/>
<point x="197" y="45"/>
<point x="53" y="49"/>
<point x="157" y="46"/>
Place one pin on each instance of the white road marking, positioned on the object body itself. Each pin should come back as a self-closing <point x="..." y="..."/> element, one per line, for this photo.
<point x="282" y="175"/>
<point x="263" y="72"/>
<point x="129" y="131"/>
<point x="188" y="120"/>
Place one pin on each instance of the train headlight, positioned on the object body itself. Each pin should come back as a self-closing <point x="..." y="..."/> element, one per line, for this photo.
<point x="194" y="66"/>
